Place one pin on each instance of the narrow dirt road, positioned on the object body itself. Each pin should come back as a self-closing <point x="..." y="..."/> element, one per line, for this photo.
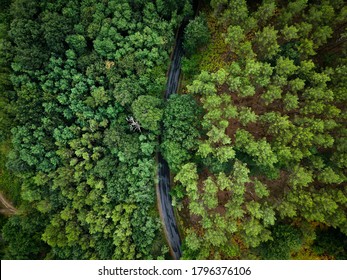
<point x="6" y="207"/>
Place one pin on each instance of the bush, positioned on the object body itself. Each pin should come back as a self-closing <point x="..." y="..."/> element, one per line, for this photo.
<point x="331" y="242"/>
<point x="286" y="240"/>
<point x="196" y="34"/>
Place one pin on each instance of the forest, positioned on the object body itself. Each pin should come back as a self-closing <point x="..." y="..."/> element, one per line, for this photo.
<point x="255" y="136"/>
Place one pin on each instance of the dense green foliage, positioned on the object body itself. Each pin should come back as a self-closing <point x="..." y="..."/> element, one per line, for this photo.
<point x="22" y="234"/>
<point x="270" y="163"/>
<point x="256" y="142"/>
<point x="331" y="242"/>
<point x="80" y="70"/>
<point x="196" y="34"/>
<point x="286" y="240"/>
<point x="181" y="128"/>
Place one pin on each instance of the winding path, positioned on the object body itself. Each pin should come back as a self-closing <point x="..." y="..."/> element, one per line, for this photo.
<point x="8" y="208"/>
<point x="163" y="188"/>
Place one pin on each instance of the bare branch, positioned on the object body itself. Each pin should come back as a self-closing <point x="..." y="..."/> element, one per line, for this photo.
<point x="134" y="125"/>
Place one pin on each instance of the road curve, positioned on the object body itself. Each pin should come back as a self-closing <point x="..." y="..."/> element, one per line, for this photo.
<point x="164" y="199"/>
<point x="8" y="208"/>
